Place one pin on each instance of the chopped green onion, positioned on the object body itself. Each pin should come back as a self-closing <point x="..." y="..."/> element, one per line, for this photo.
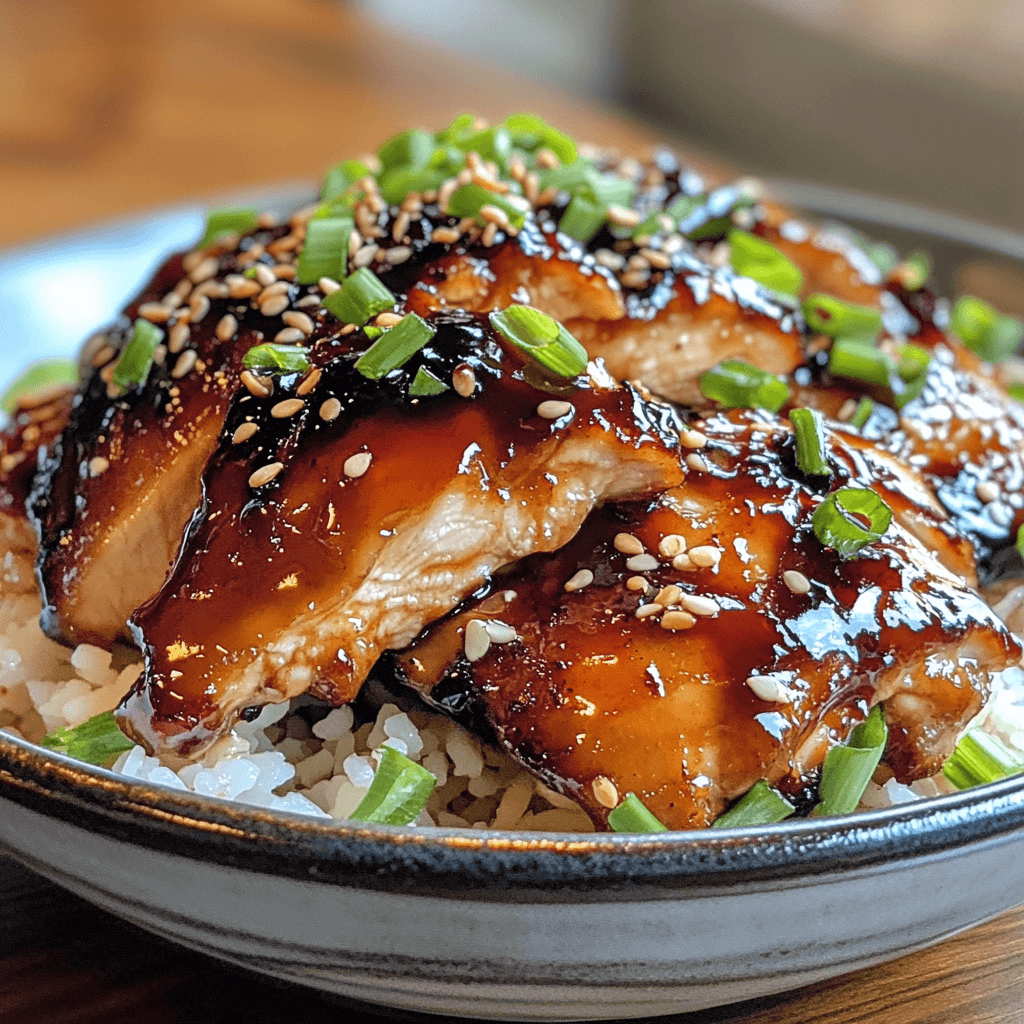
<point x="826" y="314"/>
<point x="984" y="330"/>
<point x="137" y="358"/>
<point x="608" y="190"/>
<point x="760" y="805"/>
<point x="809" y="433"/>
<point x="1020" y="540"/>
<point x="582" y="218"/>
<point x="912" y="371"/>
<point x="399" y="182"/>
<point x="361" y="296"/>
<point x="469" y="199"/>
<point x="860" y="360"/>
<point x="1016" y="391"/>
<point x="713" y="217"/>
<point x="412" y="148"/>
<point x="277" y="358"/>
<point x="532" y="133"/>
<point x="340" y="176"/>
<point x="848" y="769"/>
<point x="914" y="270"/>
<point x="372" y="332"/>
<point x="738" y="385"/>
<point x="325" y="251"/>
<point x="632" y="816"/>
<point x="865" y="407"/>
<point x="979" y="758"/>
<point x="226" y="222"/>
<point x="493" y="143"/>
<point x="460" y="128"/>
<point x="754" y="257"/>
<point x="395" y="347"/>
<point x="542" y="338"/>
<point x="570" y="177"/>
<point x="837" y="521"/>
<point x="36" y="376"/>
<point x="882" y="255"/>
<point x="680" y="208"/>
<point x="97" y="741"/>
<point x="398" y="793"/>
<point x="425" y="383"/>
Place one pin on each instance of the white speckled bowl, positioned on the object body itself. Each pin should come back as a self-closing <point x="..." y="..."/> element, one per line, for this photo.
<point x="487" y="924"/>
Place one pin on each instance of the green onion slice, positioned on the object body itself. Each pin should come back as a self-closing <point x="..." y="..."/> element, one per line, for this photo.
<point x="848" y="769"/>
<point x="865" y="407"/>
<point x="277" y="358"/>
<point x="137" y="358"/>
<point x="882" y="255"/>
<point x="826" y="314"/>
<point x="361" y="296"/>
<point x="36" y="376"/>
<point x="569" y="178"/>
<point x="608" y="190"/>
<point x="395" y="347"/>
<point x="398" y="793"/>
<point x="915" y="270"/>
<point x="760" y="805"/>
<point x="340" y="177"/>
<point x="979" y="758"/>
<point x="227" y="222"/>
<point x="325" y="251"/>
<point x="984" y="330"/>
<point x="97" y="741"/>
<point x="467" y="201"/>
<point x="1016" y="391"/>
<point x="838" y="522"/>
<point x="542" y="338"/>
<point x="426" y="383"/>
<point x="678" y="210"/>
<point x="809" y="433"/>
<point x="460" y="128"/>
<point x="858" y="359"/>
<point x="754" y="257"/>
<point x="399" y="182"/>
<point x="494" y="143"/>
<point x="632" y="816"/>
<point x="738" y="385"/>
<point x="912" y="371"/>
<point x="1020" y="540"/>
<point x="582" y="218"/>
<point x="531" y="133"/>
<point x="411" y="148"/>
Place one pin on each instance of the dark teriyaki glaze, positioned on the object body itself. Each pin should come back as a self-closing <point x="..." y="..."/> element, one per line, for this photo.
<point x="629" y="684"/>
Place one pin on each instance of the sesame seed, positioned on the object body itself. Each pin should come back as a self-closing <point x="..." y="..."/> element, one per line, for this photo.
<point x="489" y="235"/>
<point x="365" y="256"/>
<point x="159" y="355"/>
<point x="191" y="260"/>
<point x="285" y="271"/>
<point x="699" y="605"/>
<point x="495" y="215"/>
<point x="328" y="285"/>
<point x="243" y="433"/>
<point x="301" y="321"/>
<point x="185" y="362"/>
<point x="476" y="641"/>
<point x="401" y="225"/>
<point x="987" y="491"/>
<point x="274" y="305"/>
<point x="692" y="439"/>
<point x="846" y="410"/>
<point x="677" y="620"/>
<point x="641" y="563"/>
<point x="683" y="562"/>
<point x="265" y="474"/>
<point x="604" y="789"/>
<point x="636" y="583"/>
<point x="264" y="275"/>
<point x="182" y="289"/>
<point x="645" y="611"/>
<point x="658" y="260"/>
<point x="261" y="387"/>
<point x="240" y="287"/>
<point x="705" y="556"/>
<point x="671" y="544"/>
<point x="213" y="290"/>
<point x="107" y="353"/>
<point x="397" y="254"/>
<point x="628" y="544"/>
<point x="204" y="270"/>
<point x="500" y="632"/>
<point x="635" y="279"/>
<point x="388" y="319"/>
<point x="768" y="688"/>
<point x="623" y="216"/>
<point x="446" y="236"/>
<point x="226" y="327"/>
<point x="579" y="580"/>
<point x="356" y="465"/>
<point x="330" y="410"/>
<point x="277" y="288"/>
<point x="288" y="407"/>
<point x="552" y="410"/>
<point x="198" y="306"/>
<point x="309" y="382"/>
<point x="154" y="312"/>
<point x="668" y="595"/>
<point x="796" y="581"/>
<point x="306" y="300"/>
<point x="464" y="380"/>
<point x="289" y="335"/>
<point x="98" y="465"/>
<point x="696" y="463"/>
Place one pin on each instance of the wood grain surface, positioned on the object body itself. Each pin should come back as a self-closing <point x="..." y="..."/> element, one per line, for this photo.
<point x="108" y="107"/>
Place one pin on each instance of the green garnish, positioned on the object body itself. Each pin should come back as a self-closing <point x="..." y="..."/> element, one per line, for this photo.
<point x="398" y="793"/>
<point x="826" y="314"/>
<point x="1016" y="391"/>
<point x="325" y="251"/>
<point x="838" y="520"/>
<point x="137" y="358"/>
<point x="97" y="741"/>
<point x="882" y="254"/>
<point x="979" y="758"/>
<point x="361" y="296"/>
<point x="1020" y="540"/>
<point x="399" y="182"/>
<point x="760" y="805"/>
<point x="912" y="371"/>
<point x="738" y="385"/>
<point x="542" y="338"/>
<point x="583" y="218"/>
<point x="494" y="143"/>
<point x="984" y="330"/>
<point x="532" y="133"/>
<point x="36" y="376"/>
<point x="632" y="816"/>
<point x="395" y="347"/>
<point x="848" y="769"/>
<point x="858" y="359"/>
<point x="226" y="222"/>
<point x="425" y="383"/>
<point x="467" y="201"/>
<point x="914" y="270"/>
<point x="865" y="407"/>
<point x="277" y="358"/>
<point x="754" y="257"/>
<point x="340" y="177"/>
<point x="410" y="148"/>
<point x="676" y="211"/>
<point x="809" y="434"/>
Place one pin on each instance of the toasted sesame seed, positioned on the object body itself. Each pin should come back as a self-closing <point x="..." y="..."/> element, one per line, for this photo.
<point x="500" y="632"/>
<point x="285" y="271"/>
<point x="243" y="432"/>
<point x="683" y="562"/>
<point x="213" y="290"/>
<point x="446" y="236"/>
<point x="185" y="362"/>
<point x="265" y="474"/>
<point x="627" y="544"/>
<point x="489" y="235"/>
<point x="274" y="305"/>
<point x="356" y="465"/>
<point x="464" y="380"/>
<point x="198" y="306"/>
<point x="277" y="288"/>
<point x="552" y="410"/>
<point x="987" y="491"/>
<point x="677" y="620"/>
<point x="304" y="302"/>
<point x="604" y="789"/>
<point x="476" y="642"/>
<point x="658" y="260"/>
<point x="623" y="216"/>
<point x="261" y="387"/>
<point x="240" y="287"/>
<point x="159" y="355"/>
<point x="705" y="556"/>
<point x="846" y="410"/>
<point x="204" y="270"/>
<point x="227" y="325"/>
<point x="696" y="463"/>
<point x="796" y="581"/>
<point x="328" y="285"/>
<point x="699" y="605"/>
<point x="609" y="260"/>
<point x="400" y="226"/>
<point x="98" y="465"/>
<point x="182" y="289"/>
<point x="647" y="610"/>
<point x="495" y="215"/>
<point x="301" y="321"/>
<point x="264" y="274"/>
<point x="105" y="354"/>
<point x="191" y="260"/>
<point x="668" y="595"/>
<point x="365" y="256"/>
<point x="154" y="312"/>
<point x="287" y="407"/>
<point x="635" y="278"/>
<point x="388" y="319"/>
<point x="769" y="689"/>
<point x="309" y="382"/>
<point x="692" y="439"/>
<point x="641" y="563"/>
<point x="330" y="410"/>
<point x="579" y="580"/>
<point x="289" y="335"/>
<point x="397" y="254"/>
<point x="671" y="544"/>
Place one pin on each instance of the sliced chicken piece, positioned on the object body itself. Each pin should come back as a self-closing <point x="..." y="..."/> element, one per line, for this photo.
<point x="348" y="516"/>
<point x="621" y="663"/>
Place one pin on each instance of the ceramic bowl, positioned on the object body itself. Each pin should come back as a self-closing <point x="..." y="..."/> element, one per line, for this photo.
<point x="510" y="925"/>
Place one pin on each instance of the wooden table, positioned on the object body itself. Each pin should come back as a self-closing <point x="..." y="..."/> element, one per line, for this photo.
<point x="111" y="106"/>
